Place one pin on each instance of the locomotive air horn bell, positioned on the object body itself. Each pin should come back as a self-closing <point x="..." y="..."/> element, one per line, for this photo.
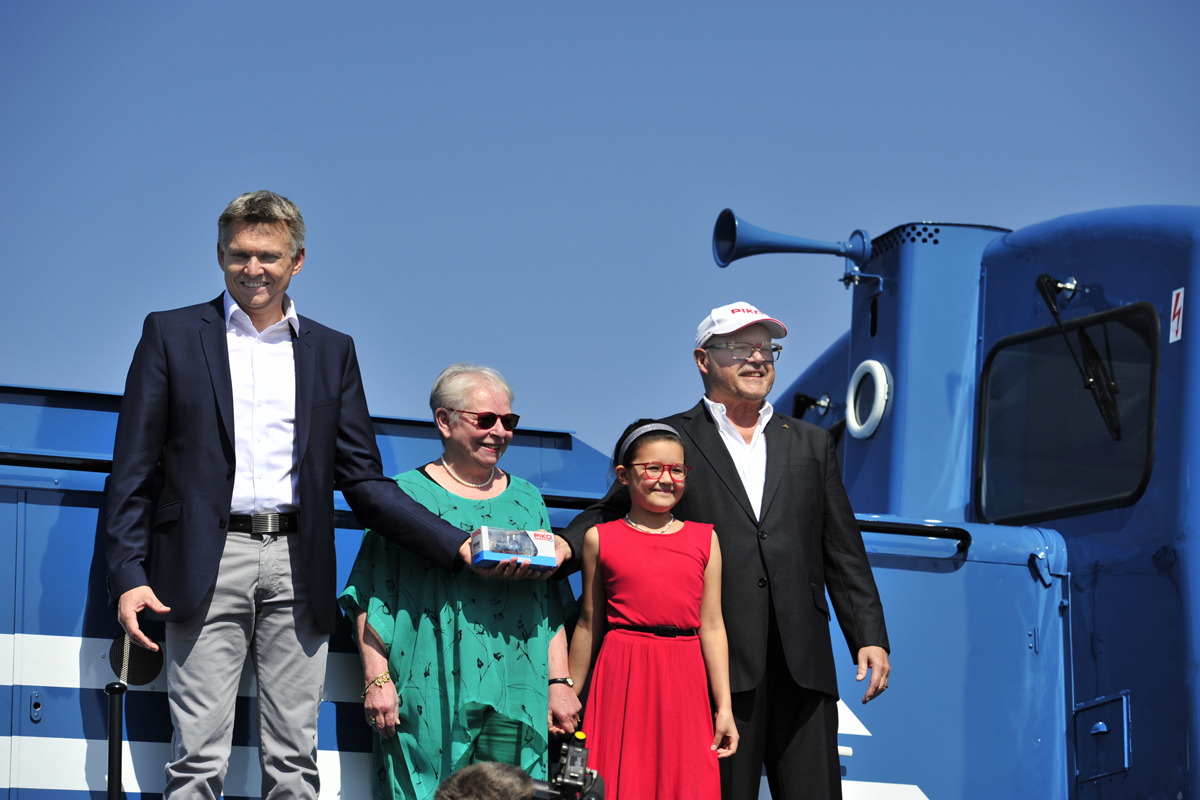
<point x="734" y="238"/>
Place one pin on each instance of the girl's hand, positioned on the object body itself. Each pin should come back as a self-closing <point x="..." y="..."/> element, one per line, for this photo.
<point x="563" y="714"/>
<point x="382" y="709"/>
<point x="725" y="741"/>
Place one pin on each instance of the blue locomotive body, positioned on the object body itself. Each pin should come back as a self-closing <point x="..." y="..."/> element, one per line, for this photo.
<point x="1057" y="654"/>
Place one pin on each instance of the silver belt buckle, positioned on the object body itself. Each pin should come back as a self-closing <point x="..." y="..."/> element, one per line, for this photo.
<point x="264" y="523"/>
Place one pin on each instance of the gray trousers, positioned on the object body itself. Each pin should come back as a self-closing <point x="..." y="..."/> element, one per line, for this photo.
<point x="259" y="607"/>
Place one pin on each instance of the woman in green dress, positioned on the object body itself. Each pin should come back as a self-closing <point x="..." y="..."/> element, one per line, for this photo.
<point x="458" y="665"/>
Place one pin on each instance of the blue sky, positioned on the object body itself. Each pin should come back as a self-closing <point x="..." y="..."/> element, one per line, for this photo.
<point x="533" y="186"/>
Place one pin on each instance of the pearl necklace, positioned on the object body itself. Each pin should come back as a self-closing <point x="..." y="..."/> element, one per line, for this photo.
<point x="452" y="474"/>
<point x="658" y="531"/>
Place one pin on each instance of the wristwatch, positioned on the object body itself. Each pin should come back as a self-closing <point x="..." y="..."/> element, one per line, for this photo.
<point x="567" y="681"/>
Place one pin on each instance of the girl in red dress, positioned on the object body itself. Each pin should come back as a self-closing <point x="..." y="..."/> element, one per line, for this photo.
<point x="652" y="595"/>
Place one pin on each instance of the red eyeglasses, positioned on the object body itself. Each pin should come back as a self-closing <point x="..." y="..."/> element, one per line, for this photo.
<point x="654" y="470"/>
<point x="486" y="420"/>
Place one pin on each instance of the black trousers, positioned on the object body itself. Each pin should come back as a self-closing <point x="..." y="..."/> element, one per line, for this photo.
<point x="792" y="730"/>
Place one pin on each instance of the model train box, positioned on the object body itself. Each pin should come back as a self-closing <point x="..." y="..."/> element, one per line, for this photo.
<point x="490" y="546"/>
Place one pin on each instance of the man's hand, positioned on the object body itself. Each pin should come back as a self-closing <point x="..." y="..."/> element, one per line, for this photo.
<point x="133" y="601"/>
<point x="562" y="553"/>
<point x="874" y="659"/>
<point x="563" y="714"/>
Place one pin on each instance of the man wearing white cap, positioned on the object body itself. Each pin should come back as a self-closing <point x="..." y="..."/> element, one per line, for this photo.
<point x="771" y="486"/>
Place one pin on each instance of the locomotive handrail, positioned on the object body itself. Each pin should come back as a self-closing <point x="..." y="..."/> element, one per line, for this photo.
<point x="9" y="458"/>
<point x="917" y="529"/>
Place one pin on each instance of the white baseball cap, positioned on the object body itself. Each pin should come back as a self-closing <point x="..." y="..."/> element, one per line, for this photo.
<point x="734" y="317"/>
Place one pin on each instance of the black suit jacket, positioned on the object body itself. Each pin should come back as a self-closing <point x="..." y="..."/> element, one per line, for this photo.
<point x="807" y="541"/>
<point x="178" y="410"/>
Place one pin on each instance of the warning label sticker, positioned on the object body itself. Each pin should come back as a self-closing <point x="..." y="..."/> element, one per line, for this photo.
<point x="1177" y="315"/>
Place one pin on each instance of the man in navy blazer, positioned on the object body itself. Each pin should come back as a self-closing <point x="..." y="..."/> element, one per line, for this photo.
<point x="254" y="416"/>
<point x="770" y="486"/>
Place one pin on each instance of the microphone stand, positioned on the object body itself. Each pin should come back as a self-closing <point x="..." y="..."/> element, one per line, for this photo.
<point x="116" y="722"/>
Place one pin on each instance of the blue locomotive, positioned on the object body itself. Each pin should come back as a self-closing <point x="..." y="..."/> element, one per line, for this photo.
<point x="1012" y="410"/>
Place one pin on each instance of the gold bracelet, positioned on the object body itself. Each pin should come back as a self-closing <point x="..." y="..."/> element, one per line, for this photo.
<point x="378" y="680"/>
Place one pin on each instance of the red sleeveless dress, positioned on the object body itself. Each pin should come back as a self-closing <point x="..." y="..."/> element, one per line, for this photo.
<point x="648" y="718"/>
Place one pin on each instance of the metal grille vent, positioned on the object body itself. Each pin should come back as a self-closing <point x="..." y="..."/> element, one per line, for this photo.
<point x="134" y="665"/>
<point x="917" y="234"/>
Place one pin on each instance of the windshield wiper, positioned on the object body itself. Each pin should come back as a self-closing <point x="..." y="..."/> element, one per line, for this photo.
<point x="1097" y="378"/>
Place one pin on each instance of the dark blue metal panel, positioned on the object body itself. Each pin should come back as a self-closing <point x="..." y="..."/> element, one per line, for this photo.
<point x="977" y="708"/>
<point x="922" y="326"/>
<point x="57" y="555"/>
<point x="1133" y="609"/>
<point x="8" y="559"/>
<point x="55" y="422"/>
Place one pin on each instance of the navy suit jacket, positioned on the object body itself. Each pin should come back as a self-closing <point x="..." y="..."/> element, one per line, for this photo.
<point x="178" y="412"/>
<point x="805" y="542"/>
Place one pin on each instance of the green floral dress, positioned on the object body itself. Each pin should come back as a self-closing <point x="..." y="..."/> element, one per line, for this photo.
<point x="457" y="643"/>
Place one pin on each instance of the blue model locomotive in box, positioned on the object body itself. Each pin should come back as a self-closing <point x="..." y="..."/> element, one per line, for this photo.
<point x="490" y="546"/>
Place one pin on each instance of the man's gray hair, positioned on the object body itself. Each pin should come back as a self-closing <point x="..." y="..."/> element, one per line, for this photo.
<point x="454" y="387"/>
<point x="261" y="206"/>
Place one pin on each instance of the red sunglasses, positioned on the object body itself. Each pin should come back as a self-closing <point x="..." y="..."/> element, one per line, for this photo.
<point x="486" y="420"/>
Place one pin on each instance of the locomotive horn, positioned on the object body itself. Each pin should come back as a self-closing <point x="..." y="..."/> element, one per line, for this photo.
<point x="734" y="238"/>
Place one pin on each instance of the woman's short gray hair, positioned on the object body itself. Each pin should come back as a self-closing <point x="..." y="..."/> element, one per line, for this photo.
<point x="261" y="206"/>
<point x="458" y="382"/>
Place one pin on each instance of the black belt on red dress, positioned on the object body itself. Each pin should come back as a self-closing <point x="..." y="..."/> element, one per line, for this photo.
<point x="666" y="631"/>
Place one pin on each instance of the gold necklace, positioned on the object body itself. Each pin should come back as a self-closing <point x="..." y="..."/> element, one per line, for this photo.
<point x="452" y="474"/>
<point x="658" y="531"/>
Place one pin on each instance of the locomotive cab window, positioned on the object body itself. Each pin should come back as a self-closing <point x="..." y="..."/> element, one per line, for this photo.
<point x="1051" y="443"/>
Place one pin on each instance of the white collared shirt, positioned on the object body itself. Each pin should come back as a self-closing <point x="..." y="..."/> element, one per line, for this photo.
<point x="263" y="373"/>
<point x="749" y="459"/>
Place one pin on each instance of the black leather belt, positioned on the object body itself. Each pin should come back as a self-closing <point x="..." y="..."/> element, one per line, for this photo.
<point x="264" y="523"/>
<point x="666" y="631"/>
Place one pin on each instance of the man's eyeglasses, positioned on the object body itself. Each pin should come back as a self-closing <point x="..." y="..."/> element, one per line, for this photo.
<point x="486" y="420"/>
<point x="654" y="470"/>
<point x="742" y="351"/>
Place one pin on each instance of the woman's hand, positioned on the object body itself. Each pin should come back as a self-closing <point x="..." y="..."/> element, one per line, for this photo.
<point x="512" y="569"/>
<point x="563" y="715"/>
<point x="725" y="741"/>
<point x="382" y="709"/>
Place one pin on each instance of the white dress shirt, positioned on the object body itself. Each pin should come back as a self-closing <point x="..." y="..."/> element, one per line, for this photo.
<point x="750" y="459"/>
<point x="263" y="373"/>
